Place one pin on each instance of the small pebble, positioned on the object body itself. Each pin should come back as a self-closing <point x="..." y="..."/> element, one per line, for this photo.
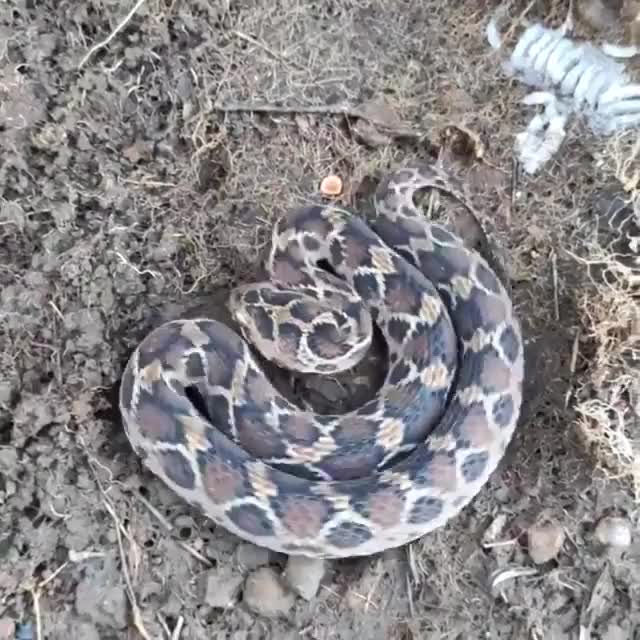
<point x="219" y="588"/>
<point x="304" y="575"/>
<point x="331" y="186"/>
<point x="250" y="556"/>
<point x="614" y="532"/>
<point x="545" y="542"/>
<point x="266" y="594"/>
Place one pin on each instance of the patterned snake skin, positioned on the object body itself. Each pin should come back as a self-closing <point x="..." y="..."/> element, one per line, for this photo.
<point x="384" y="474"/>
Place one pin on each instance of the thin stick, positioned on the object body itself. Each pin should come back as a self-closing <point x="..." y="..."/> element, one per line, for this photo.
<point x="515" y="170"/>
<point x="518" y="20"/>
<point x="407" y="580"/>
<point x="169" y="527"/>
<point x="264" y="47"/>
<point x="556" y="302"/>
<point x="161" y="519"/>
<point x="324" y="109"/>
<point x="112" y="35"/>
<point x="568" y="24"/>
<point x="35" y="594"/>
<point x="149" y="183"/>
<point x="178" y="629"/>
<point x="572" y="367"/>
<point x="196" y="554"/>
<point x="137" y="616"/>
<point x="165" y="626"/>
<point x="46" y="581"/>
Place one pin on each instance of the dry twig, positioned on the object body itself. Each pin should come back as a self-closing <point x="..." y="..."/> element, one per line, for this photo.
<point x="137" y="616"/>
<point x="36" y="591"/>
<point x="341" y="109"/>
<point x="177" y="629"/>
<point x="264" y="47"/>
<point x="112" y="35"/>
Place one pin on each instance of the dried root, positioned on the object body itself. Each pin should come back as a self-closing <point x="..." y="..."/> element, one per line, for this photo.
<point x="608" y="403"/>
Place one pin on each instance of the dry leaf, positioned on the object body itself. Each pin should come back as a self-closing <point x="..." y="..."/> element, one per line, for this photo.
<point x="600" y="601"/>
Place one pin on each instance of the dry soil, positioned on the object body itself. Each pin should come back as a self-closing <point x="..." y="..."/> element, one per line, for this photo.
<point x="127" y="197"/>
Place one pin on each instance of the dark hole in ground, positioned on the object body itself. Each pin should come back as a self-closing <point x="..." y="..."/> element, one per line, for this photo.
<point x="117" y="444"/>
<point x="6" y="431"/>
<point x="111" y="396"/>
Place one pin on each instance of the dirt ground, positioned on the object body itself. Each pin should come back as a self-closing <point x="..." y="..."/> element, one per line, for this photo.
<point x="127" y="197"/>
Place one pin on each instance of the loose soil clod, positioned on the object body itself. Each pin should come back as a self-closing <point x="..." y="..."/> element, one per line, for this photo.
<point x="128" y="196"/>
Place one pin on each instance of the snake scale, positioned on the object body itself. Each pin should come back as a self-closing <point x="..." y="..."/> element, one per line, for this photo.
<point x="384" y="474"/>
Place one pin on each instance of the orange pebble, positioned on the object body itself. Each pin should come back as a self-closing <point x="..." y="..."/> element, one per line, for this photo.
<point x="331" y="186"/>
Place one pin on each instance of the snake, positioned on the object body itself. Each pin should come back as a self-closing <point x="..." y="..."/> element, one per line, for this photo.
<point x="203" y="416"/>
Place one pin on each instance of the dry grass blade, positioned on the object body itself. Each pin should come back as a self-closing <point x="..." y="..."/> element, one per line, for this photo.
<point x="600" y="600"/>
<point x="103" y="43"/>
<point x="264" y="47"/>
<point x="135" y="609"/>
<point x="363" y="111"/>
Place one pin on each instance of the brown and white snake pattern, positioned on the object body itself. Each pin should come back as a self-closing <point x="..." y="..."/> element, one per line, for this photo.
<point x="379" y="476"/>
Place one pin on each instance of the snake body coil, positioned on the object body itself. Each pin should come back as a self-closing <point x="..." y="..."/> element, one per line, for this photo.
<point x="384" y="474"/>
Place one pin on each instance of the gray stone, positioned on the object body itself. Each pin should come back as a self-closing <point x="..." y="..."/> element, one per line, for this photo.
<point x="266" y="594"/>
<point x="250" y="556"/>
<point x="304" y="575"/>
<point x="219" y="588"/>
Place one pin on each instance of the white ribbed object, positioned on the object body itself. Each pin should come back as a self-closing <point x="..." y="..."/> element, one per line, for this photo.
<point x="569" y="77"/>
<point x="579" y="72"/>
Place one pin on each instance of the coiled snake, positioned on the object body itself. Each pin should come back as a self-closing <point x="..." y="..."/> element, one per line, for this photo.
<point x="384" y="474"/>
